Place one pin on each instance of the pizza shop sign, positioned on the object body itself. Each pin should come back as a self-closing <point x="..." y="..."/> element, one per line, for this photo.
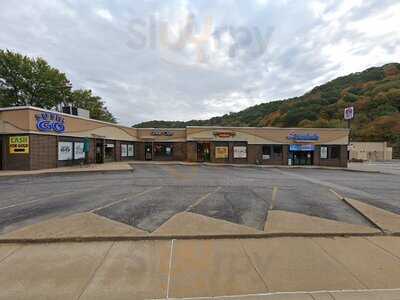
<point x="303" y="137"/>
<point x="48" y="122"/>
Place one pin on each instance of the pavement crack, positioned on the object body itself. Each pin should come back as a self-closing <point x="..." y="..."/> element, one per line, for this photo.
<point x="12" y="252"/>
<point x="253" y="265"/>
<point x="382" y="248"/>
<point x="170" y="268"/>
<point x="340" y="263"/>
<point x="95" y="271"/>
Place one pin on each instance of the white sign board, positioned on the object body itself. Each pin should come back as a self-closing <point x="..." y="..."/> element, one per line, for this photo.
<point x="78" y="150"/>
<point x="324" y="152"/>
<point x="130" y="150"/>
<point x="266" y="156"/>
<point x="65" y="150"/>
<point x="349" y="113"/>
<point x="124" y="150"/>
<point x="239" y="152"/>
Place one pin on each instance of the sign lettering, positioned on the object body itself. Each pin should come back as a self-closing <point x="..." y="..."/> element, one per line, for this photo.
<point x="48" y="122"/>
<point x="19" y="144"/>
<point x="298" y="137"/>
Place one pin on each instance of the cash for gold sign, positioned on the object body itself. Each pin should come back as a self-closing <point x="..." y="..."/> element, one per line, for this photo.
<point x="19" y="144"/>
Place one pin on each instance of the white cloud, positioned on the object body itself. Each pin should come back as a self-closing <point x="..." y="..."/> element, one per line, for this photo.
<point x="312" y="42"/>
<point x="105" y="14"/>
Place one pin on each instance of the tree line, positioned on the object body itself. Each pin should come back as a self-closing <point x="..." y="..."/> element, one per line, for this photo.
<point x="26" y="81"/>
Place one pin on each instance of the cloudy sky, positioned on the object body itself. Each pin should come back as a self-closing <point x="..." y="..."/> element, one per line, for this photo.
<point x="182" y="59"/>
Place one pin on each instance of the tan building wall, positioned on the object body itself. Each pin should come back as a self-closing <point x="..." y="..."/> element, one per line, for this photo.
<point x="240" y="144"/>
<point x="370" y="151"/>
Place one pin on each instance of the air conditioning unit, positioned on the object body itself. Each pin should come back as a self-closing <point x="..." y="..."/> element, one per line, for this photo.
<point x="76" y="111"/>
<point x="71" y="110"/>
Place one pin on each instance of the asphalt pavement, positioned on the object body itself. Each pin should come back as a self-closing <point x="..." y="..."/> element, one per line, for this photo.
<point x="152" y="194"/>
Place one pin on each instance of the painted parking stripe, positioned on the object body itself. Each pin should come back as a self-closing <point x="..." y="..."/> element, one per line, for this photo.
<point x="201" y="199"/>
<point x="126" y="199"/>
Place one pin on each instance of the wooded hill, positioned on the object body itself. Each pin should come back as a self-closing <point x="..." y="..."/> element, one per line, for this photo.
<point x="375" y="94"/>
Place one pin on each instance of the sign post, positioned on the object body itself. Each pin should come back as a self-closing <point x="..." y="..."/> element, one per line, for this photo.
<point x="349" y="115"/>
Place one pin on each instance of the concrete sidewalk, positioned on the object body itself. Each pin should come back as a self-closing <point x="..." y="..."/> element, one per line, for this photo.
<point x="127" y="166"/>
<point x="162" y="269"/>
<point x="99" y="168"/>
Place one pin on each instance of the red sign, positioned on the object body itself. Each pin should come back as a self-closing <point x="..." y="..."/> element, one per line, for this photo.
<point x="224" y="134"/>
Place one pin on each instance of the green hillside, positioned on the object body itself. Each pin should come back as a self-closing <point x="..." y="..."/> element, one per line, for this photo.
<point x="375" y="94"/>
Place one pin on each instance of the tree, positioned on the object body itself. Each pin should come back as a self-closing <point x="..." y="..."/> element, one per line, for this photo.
<point x="31" y="81"/>
<point x="86" y="100"/>
<point x="27" y="81"/>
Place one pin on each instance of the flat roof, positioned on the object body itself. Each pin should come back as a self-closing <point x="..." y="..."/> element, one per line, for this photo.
<point x="162" y="128"/>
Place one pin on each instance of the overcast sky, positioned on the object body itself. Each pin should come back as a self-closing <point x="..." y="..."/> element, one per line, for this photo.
<point x="181" y="59"/>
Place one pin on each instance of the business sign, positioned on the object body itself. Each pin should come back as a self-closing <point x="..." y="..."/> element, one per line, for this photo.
<point x="79" y="152"/>
<point x="302" y="147"/>
<point x="224" y="134"/>
<point x="159" y="132"/>
<point x="65" y="150"/>
<point x="349" y="113"/>
<point x="221" y="152"/>
<point x="19" y="144"/>
<point x="240" y="152"/>
<point x="303" y="137"/>
<point x="48" y="122"/>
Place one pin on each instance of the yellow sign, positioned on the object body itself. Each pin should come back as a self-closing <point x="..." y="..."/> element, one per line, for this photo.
<point x="221" y="152"/>
<point x="19" y="144"/>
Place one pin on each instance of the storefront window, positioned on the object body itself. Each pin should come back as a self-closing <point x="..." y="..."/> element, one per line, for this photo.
<point x="277" y="150"/>
<point x="266" y="152"/>
<point x="330" y="152"/>
<point x="272" y="152"/>
<point x="127" y="150"/>
<point x="335" y="152"/>
<point x="163" y="149"/>
<point x="109" y="152"/>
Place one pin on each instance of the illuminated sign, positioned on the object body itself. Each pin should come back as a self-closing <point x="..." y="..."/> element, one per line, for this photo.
<point x="48" y="122"/>
<point x="224" y="134"/>
<point x="159" y="132"/>
<point x="298" y="137"/>
<point x="19" y="144"/>
<point x="301" y="147"/>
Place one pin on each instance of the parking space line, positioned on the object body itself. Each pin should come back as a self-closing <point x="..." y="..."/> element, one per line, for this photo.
<point x="50" y="197"/>
<point x="273" y="199"/>
<point x="125" y="199"/>
<point x="202" y="198"/>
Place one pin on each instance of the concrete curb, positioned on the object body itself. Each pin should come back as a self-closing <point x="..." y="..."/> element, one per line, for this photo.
<point x="66" y="173"/>
<point x="250" y="166"/>
<point x="78" y="239"/>
<point x="362" y="214"/>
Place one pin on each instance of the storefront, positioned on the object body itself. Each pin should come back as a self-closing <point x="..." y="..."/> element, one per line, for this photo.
<point x="33" y="138"/>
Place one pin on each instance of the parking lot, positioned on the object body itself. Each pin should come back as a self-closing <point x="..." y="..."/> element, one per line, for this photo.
<point x="152" y="194"/>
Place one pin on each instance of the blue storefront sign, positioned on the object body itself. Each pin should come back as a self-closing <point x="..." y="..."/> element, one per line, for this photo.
<point x="301" y="147"/>
<point x="48" y="122"/>
<point x="303" y="137"/>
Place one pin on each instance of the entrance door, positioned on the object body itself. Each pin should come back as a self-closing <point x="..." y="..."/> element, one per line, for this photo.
<point x="99" y="152"/>
<point x="302" y="158"/>
<point x="203" y="152"/>
<point x="148" y="151"/>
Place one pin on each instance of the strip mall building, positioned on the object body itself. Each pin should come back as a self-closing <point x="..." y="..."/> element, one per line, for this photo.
<point x="33" y="138"/>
